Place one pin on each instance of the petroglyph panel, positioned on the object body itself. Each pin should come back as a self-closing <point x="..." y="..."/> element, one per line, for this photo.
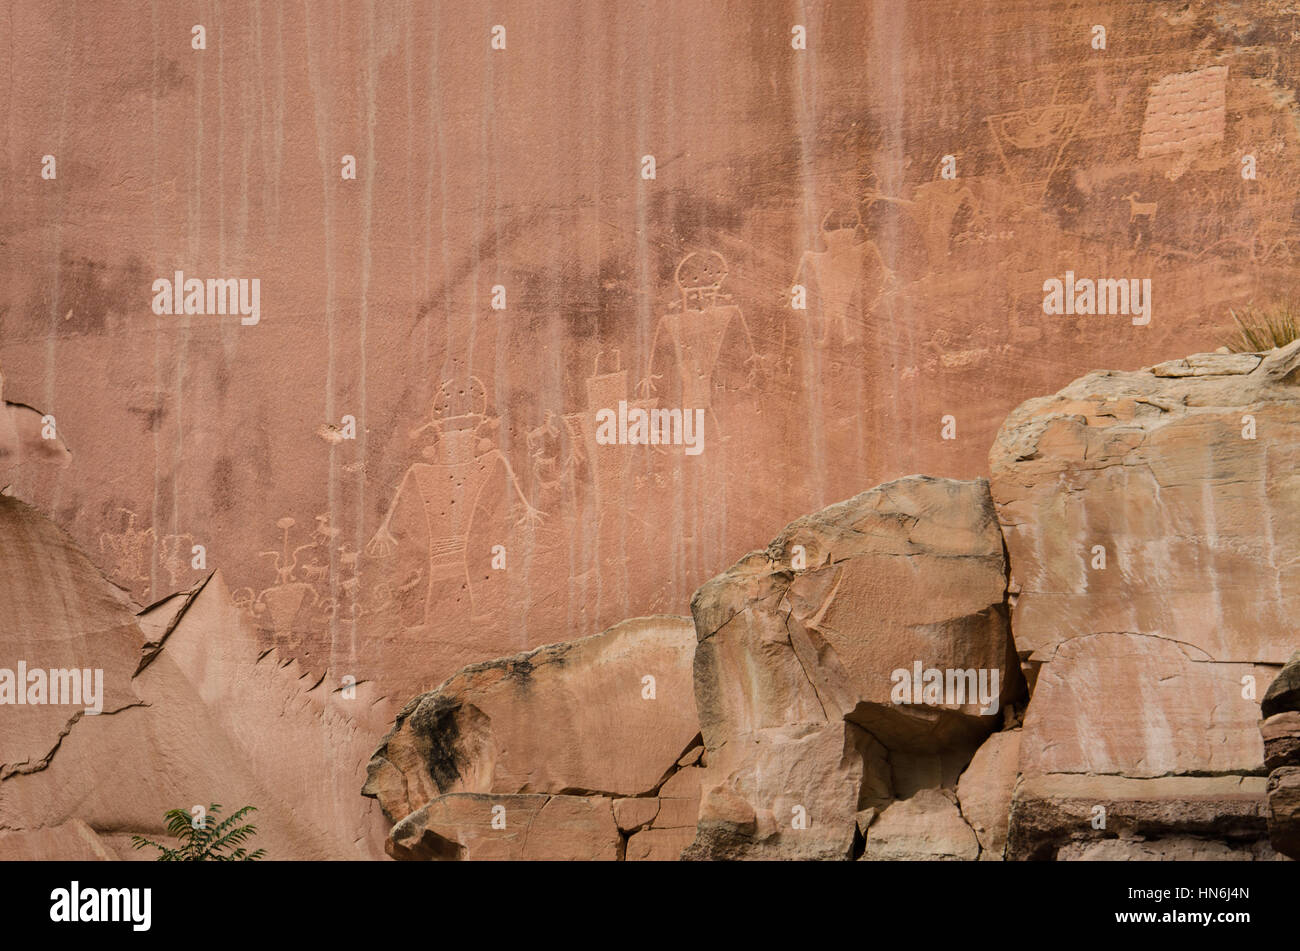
<point x="399" y="467"/>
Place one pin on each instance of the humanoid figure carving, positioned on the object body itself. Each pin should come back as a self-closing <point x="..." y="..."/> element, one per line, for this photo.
<point x="281" y="602"/>
<point x="449" y="487"/>
<point x="697" y="325"/>
<point x="838" y="271"/>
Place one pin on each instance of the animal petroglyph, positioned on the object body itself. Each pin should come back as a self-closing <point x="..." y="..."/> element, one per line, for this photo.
<point x="1138" y="209"/>
<point x="1143" y="210"/>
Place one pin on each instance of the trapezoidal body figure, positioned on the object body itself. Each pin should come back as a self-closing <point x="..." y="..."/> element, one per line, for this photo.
<point x="437" y="500"/>
<point x="697" y="326"/>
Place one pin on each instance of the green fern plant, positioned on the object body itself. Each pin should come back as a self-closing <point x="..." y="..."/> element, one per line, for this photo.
<point x="212" y="842"/>
<point x="1263" y="328"/>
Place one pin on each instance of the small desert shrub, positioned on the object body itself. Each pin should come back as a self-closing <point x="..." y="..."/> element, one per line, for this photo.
<point x="213" y="842"/>
<point x="1263" y="328"/>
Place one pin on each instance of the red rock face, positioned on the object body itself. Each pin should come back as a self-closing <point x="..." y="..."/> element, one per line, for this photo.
<point x="185" y="710"/>
<point x="442" y="334"/>
<point x="522" y="168"/>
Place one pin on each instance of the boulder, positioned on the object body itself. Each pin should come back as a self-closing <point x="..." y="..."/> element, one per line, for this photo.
<point x="70" y="841"/>
<point x="659" y="845"/>
<point x="1155" y="562"/>
<point x="58" y="614"/>
<point x="1281" y="735"/>
<point x="1284" y="810"/>
<point x="1284" y="693"/>
<point x="789" y="793"/>
<point x="985" y="788"/>
<point x="1280" y="732"/>
<point x="1049" y="812"/>
<point x="605" y="715"/>
<point x="1159" y="502"/>
<point x="1118" y="738"/>
<point x="677" y="813"/>
<point x="1169" y="849"/>
<point x="217" y="723"/>
<point x="194" y="712"/>
<point x="1142" y="707"/>
<point x="802" y="650"/>
<point x="633" y="814"/>
<point x="926" y="827"/>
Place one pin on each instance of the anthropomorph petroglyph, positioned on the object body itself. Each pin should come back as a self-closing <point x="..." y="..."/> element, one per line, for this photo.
<point x="311" y="585"/>
<point x="280" y="603"/>
<point x="948" y="211"/>
<point x="697" y="325"/>
<point x="130" y="550"/>
<point x="838" y="275"/>
<point x="558" y="459"/>
<point x="175" y="556"/>
<point x="449" y="488"/>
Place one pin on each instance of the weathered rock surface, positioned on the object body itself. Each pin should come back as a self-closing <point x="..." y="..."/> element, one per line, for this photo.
<point x="926" y="827"/>
<point x="634" y="814"/>
<point x="789" y="793"/>
<point x="1049" y="812"/>
<point x="1167" y="849"/>
<point x="985" y="788"/>
<point x="924" y="293"/>
<point x="923" y="301"/>
<point x="659" y="845"/>
<point x="1152" y="470"/>
<point x="71" y="841"/>
<point x="1142" y="707"/>
<point x="21" y="442"/>
<point x="471" y="826"/>
<point x="210" y="718"/>
<point x="1284" y="810"/>
<point x="1283" y="693"/>
<point x="1149" y="525"/>
<point x="572" y="718"/>
<point x="1281" y="735"/>
<point x="56" y="612"/>
<point x="797" y="648"/>
<point x="569" y="733"/>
